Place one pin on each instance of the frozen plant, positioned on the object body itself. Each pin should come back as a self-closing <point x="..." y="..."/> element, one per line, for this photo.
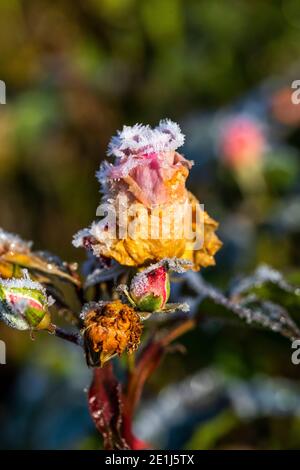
<point x="135" y="319"/>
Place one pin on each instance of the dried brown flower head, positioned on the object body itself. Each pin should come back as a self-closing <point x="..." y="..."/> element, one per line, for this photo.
<point x="110" y="328"/>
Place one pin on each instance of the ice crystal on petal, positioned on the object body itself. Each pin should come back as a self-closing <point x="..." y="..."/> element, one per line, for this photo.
<point x="91" y="236"/>
<point x="176" y="137"/>
<point x="102" y="176"/>
<point x="131" y="139"/>
<point x="101" y="232"/>
<point x="139" y="139"/>
<point x="79" y="237"/>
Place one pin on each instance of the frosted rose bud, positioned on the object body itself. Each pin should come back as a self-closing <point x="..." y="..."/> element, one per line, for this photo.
<point x="24" y="304"/>
<point x="150" y="289"/>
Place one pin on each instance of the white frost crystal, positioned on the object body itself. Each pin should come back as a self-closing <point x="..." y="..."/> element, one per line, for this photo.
<point x="138" y="139"/>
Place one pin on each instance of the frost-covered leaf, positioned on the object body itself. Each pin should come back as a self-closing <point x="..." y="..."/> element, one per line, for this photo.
<point x="16" y="254"/>
<point x="251" y="309"/>
<point x="269" y="284"/>
<point x="103" y="275"/>
<point x="265" y="274"/>
<point x="32" y="261"/>
<point x="98" y="270"/>
<point x="272" y="316"/>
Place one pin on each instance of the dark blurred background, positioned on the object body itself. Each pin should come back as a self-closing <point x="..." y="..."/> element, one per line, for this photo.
<point x="75" y="72"/>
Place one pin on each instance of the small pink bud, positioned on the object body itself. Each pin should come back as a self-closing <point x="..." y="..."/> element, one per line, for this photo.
<point x="150" y="289"/>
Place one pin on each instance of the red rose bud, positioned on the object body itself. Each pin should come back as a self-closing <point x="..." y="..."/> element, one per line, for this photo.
<point x="24" y="304"/>
<point x="150" y="289"/>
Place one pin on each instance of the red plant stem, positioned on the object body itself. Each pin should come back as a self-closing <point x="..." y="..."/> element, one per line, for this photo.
<point x="111" y="408"/>
<point x="148" y="363"/>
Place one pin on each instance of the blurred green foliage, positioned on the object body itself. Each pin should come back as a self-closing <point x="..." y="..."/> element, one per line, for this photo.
<point x="77" y="71"/>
